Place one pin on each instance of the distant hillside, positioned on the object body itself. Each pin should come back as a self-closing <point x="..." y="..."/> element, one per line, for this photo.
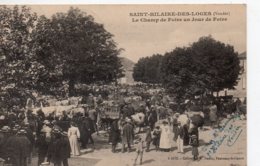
<point x="128" y="66"/>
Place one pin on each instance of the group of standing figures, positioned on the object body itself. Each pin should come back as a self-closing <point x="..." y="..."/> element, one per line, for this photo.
<point x="161" y="136"/>
<point x="53" y="140"/>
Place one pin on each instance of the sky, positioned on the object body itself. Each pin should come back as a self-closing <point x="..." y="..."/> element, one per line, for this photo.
<point x="141" y="39"/>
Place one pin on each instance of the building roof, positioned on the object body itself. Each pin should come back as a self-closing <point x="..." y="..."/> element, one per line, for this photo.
<point x="242" y="55"/>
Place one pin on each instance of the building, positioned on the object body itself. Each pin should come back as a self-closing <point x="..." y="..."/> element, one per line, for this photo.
<point x="242" y="82"/>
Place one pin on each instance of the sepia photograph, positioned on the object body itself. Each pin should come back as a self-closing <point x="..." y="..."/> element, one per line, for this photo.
<point x="123" y="85"/>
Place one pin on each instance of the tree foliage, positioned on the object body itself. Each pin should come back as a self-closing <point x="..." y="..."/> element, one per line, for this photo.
<point x="147" y="70"/>
<point x="16" y="51"/>
<point x="205" y="66"/>
<point x="76" y="49"/>
<point x="178" y="72"/>
<point x="18" y="70"/>
<point x="43" y="54"/>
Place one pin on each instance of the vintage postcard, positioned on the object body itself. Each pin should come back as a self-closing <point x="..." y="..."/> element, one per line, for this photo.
<point x="123" y="85"/>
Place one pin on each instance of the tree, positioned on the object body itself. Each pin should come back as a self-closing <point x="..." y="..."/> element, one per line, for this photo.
<point x="15" y="45"/>
<point x="74" y="47"/>
<point x="139" y="70"/>
<point x="205" y="66"/>
<point x="147" y="70"/>
<point x="16" y="62"/>
<point x="178" y="73"/>
<point x="217" y="64"/>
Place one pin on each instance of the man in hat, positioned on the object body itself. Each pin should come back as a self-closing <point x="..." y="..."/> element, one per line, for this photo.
<point x="47" y="129"/>
<point x="178" y="137"/>
<point x="86" y="130"/>
<point x="65" y="148"/>
<point x="19" y="148"/>
<point x="115" y="134"/>
<point x="91" y="101"/>
<point x="42" y="146"/>
<point x="127" y="110"/>
<point x="93" y="116"/>
<point x="141" y="108"/>
<point x="55" y="148"/>
<point x="4" y="135"/>
<point x="152" y="117"/>
<point x="127" y="135"/>
<point x="213" y="114"/>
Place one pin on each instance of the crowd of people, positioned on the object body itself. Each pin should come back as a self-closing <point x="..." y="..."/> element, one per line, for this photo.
<point x="56" y="138"/>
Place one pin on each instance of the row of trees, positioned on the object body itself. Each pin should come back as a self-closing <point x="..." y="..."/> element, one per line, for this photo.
<point x="205" y="66"/>
<point x="42" y="54"/>
<point x="148" y="69"/>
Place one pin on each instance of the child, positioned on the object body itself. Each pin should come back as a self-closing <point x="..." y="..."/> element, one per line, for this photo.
<point x="139" y="150"/>
<point x="148" y="138"/>
<point x="156" y="139"/>
<point x="194" y="142"/>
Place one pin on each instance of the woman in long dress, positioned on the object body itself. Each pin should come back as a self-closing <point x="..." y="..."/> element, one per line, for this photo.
<point x="165" y="141"/>
<point x="74" y="135"/>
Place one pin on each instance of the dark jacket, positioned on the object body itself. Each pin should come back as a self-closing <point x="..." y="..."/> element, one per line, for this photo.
<point x="42" y="145"/>
<point x="65" y="147"/>
<point x="186" y="136"/>
<point x="178" y="132"/>
<point x="148" y="136"/>
<point x="55" y="153"/>
<point x="157" y="135"/>
<point x="18" y="148"/>
<point x="86" y="128"/>
<point x="115" y="132"/>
